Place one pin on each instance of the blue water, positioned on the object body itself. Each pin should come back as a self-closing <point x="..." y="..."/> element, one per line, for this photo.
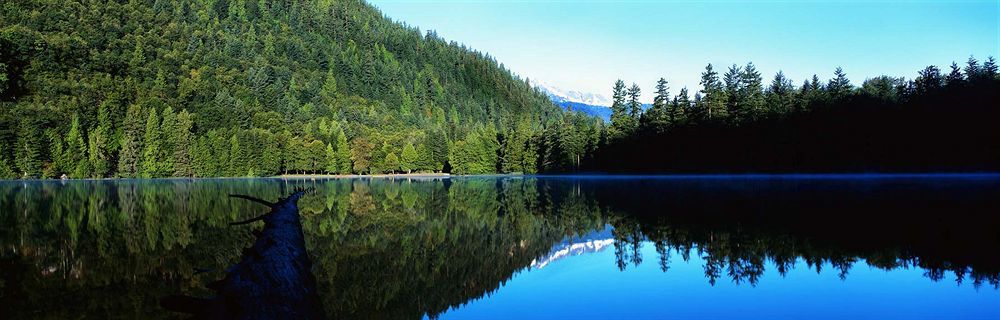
<point x="877" y="246"/>
<point x="591" y="286"/>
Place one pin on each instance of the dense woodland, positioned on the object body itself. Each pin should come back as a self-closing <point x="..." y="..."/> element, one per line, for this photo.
<point x="206" y="88"/>
<point x="942" y="120"/>
<point x="249" y="88"/>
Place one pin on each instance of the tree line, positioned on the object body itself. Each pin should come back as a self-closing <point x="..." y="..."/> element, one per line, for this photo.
<point x="736" y="123"/>
<point x="205" y="88"/>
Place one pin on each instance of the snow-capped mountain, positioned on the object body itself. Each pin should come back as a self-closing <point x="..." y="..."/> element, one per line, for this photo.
<point x="564" y="95"/>
<point x="589" y="103"/>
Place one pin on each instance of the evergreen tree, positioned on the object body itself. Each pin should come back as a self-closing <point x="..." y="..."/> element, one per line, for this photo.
<point x="972" y="69"/>
<point x="839" y="87"/>
<point x="751" y="93"/>
<point x="780" y="95"/>
<point x="425" y="159"/>
<point x="657" y="116"/>
<point x="408" y="161"/>
<point x="152" y="147"/>
<point x="733" y="85"/>
<point x="343" y="153"/>
<point x="713" y="97"/>
<point x="619" y="110"/>
<point x="76" y="150"/>
<point x="183" y="143"/>
<point x="955" y="77"/>
<point x="678" y="109"/>
<point x="634" y="106"/>
<point x="99" y="142"/>
<point x="168" y="138"/>
<point x="438" y="144"/>
<point x="929" y="80"/>
<point x="131" y="154"/>
<point x="59" y="160"/>
<point x="989" y="71"/>
<point x="28" y="153"/>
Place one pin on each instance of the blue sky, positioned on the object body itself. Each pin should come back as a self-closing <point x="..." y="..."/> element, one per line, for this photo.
<point x="587" y="45"/>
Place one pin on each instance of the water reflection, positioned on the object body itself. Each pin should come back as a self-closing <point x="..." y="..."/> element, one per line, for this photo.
<point x="408" y="248"/>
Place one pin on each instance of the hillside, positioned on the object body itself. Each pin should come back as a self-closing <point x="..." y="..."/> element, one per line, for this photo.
<point x="248" y="88"/>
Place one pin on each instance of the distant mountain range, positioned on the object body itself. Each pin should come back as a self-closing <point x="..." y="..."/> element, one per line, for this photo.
<point x="593" y="104"/>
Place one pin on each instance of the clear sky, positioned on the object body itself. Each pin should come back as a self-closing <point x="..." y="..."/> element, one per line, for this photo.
<point x="587" y="45"/>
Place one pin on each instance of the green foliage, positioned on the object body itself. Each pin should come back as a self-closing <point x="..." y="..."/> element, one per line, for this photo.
<point x="132" y="152"/>
<point x="266" y="73"/>
<point x="476" y="154"/>
<point x="408" y="159"/>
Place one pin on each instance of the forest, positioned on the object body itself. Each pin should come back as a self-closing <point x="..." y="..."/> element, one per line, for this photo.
<point x="940" y="121"/>
<point x="207" y="88"/>
<point x="211" y="88"/>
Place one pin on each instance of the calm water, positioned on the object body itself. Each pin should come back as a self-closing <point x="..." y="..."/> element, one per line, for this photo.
<point x="524" y="247"/>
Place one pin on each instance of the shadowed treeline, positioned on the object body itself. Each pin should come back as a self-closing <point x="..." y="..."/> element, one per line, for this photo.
<point x="406" y="248"/>
<point x="936" y="122"/>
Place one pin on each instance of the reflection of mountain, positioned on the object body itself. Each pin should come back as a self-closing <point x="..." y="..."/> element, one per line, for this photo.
<point x="595" y="241"/>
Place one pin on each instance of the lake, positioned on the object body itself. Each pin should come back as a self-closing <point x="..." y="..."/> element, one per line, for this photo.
<point x="795" y="246"/>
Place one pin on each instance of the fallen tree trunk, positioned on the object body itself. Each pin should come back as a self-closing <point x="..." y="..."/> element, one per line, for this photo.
<point x="273" y="279"/>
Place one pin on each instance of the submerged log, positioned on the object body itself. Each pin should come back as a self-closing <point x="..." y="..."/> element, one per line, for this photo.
<point x="273" y="279"/>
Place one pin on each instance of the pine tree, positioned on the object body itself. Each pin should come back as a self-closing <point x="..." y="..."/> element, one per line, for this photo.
<point x="634" y="106"/>
<point x="425" y="159"/>
<point x="955" y="77"/>
<point x="929" y="80"/>
<point x="28" y="155"/>
<point x="408" y="160"/>
<point x="713" y="97"/>
<point x="751" y="92"/>
<point x="98" y="144"/>
<point x="438" y="144"/>
<point x="152" y="145"/>
<point x="972" y="69"/>
<point x="183" y="144"/>
<point x="168" y="138"/>
<point x="780" y="95"/>
<point x="619" y="111"/>
<point x="131" y="154"/>
<point x="658" y="115"/>
<point x="839" y="87"/>
<point x="733" y="84"/>
<point x="343" y="153"/>
<point x="989" y="69"/>
<point x="76" y="150"/>
<point x="678" y="109"/>
<point x="332" y="163"/>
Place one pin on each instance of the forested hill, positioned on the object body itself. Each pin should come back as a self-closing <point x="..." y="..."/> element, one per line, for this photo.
<point x="160" y="88"/>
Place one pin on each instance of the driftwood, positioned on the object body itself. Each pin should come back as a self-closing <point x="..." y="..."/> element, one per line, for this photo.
<point x="273" y="279"/>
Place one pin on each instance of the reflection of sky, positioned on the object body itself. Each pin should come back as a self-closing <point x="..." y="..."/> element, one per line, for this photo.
<point x="591" y="286"/>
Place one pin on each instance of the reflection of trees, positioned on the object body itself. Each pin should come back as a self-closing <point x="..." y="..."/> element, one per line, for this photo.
<point x="741" y="255"/>
<point x="405" y="248"/>
<point x="382" y="249"/>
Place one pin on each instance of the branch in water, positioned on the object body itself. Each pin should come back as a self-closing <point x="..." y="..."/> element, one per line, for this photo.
<point x="257" y="200"/>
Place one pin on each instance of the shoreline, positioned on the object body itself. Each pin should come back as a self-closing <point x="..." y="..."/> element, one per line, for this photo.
<point x="357" y="176"/>
<point x="810" y="176"/>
